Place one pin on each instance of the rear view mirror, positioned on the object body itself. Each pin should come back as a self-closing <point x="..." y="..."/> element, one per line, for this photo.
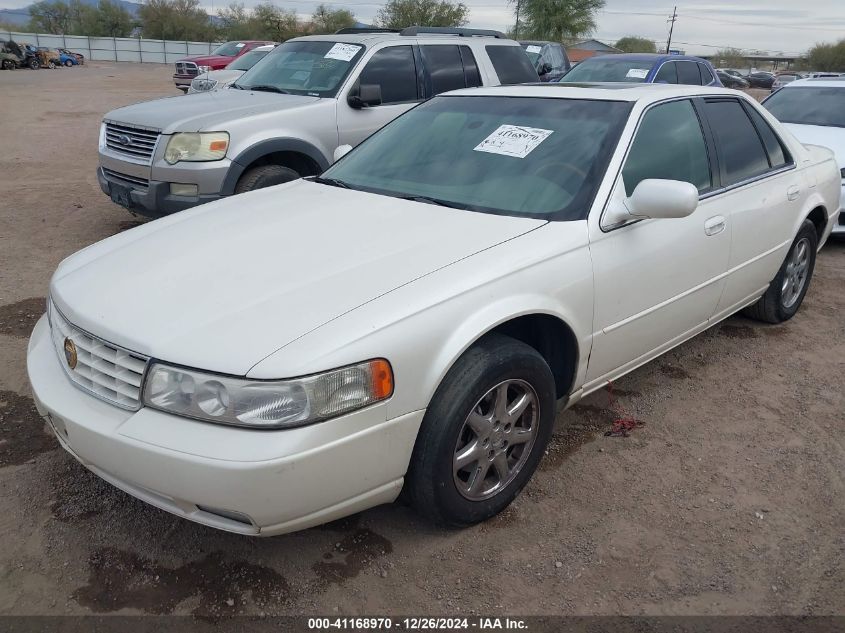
<point x="341" y="151"/>
<point x="368" y="95"/>
<point x="655" y="198"/>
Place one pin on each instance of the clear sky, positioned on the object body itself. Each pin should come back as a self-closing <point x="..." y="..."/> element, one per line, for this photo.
<point x="786" y="26"/>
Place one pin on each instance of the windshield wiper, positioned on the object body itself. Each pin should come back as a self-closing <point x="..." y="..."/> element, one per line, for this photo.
<point x="266" y="88"/>
<point x="439" y="203"/>
<point x="333" y="182"/>
<point x="237" y="86"/>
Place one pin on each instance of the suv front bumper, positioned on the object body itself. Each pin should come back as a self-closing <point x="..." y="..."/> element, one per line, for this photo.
<point x="248" y="481"/>
<point x="152" y="201"/>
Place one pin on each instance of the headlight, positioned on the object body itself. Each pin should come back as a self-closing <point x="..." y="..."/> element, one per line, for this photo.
<point x="102" y="135"/>
<point x="196" y="146"/>
<point x="267" y="404"/>
<point x="203" y="69"/>
<point x="203" y="85"/>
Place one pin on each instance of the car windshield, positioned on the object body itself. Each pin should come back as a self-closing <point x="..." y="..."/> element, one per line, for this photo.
<point x="229" y="49"/>
<point x="521" y="156"/>
<point x="605" y="68"/>
<point x="810" y="105"/>
<point x="315" y="68"/>
<point x="534" y="51"/>
<point x="247" y="61"/>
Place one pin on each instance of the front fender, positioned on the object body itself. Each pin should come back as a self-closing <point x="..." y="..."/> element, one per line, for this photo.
<point x="270" y="146"/>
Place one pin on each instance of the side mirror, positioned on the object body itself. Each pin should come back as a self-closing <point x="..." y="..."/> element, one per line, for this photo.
<point x="544" y="69"/>
<point x="653" y="198"/>
<point x="368" y="95"/>
<point x="341" y="151"/>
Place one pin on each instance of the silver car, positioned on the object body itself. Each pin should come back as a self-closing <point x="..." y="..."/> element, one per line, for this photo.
<point x="216" y="79"/>
<point x="284" y="118"/>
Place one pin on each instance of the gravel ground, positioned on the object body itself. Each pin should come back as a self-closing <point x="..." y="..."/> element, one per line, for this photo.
<point x="729" y="500"/>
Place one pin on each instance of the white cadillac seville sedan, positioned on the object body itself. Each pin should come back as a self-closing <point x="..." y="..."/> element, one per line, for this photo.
<point x="413" y="317"/>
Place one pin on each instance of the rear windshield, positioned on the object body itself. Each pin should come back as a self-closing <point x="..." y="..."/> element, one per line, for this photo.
<point x="812" y="105"/>
<point x="606" y="68"/>
<point x="313" y="68"/>
<point x="512" y="64"/>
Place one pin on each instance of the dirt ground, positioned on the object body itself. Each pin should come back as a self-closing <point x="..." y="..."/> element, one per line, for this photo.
<point x="730" y="500"/>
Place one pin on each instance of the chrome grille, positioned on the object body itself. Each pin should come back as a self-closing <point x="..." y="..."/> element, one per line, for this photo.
<point x="133" y="141"/>
<point x="187" y="68"/>
<point x="203" y="85"/>
<point x="107" y="371"/>
<point x="126" y="179"/>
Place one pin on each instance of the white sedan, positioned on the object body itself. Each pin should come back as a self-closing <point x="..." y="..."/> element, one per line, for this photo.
<point x="413" y="317"/>
<point x="814" y="111"/>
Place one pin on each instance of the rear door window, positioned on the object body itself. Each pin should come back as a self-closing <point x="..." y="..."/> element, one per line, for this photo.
<point x="774" y="147"/>
<point x="741" y="152"/>
<point x="688" y="73"/>
<point x="667" y="74"/>
<point x="444" y="66"/>
<point x="706" y="75"/>
<point x="512" y="64"/>
<point x="395" y="71"/>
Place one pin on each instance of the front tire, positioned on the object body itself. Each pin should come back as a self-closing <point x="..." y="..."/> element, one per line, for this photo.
<point x="265" y="176"/>
<point x="787" y="290"/>
<point x="68" y="63"/>
<point x="483" y="434"/>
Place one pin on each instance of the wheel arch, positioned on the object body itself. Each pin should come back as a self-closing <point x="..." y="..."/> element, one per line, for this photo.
<point x="818" y="216"/>
<point x="295" y="153"/>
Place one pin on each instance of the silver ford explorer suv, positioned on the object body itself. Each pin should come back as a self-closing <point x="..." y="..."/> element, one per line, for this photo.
<point x="284" y="118"/>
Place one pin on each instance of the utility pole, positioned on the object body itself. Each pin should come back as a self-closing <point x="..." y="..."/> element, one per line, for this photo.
<point x="516" y="28"/>
<point x="671" y="28"/>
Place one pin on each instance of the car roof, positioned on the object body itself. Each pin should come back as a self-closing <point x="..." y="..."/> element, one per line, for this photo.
<point x="630" y="92"/>
<point x="377" y="38"/>
<point x="827" y="82"/>
<point x="645" y="57"/>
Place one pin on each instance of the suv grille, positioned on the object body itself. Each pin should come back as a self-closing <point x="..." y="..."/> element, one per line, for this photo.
<point x="108" y="372"/>
<point x="132" y="141"/>
<point x="187" y="68"/>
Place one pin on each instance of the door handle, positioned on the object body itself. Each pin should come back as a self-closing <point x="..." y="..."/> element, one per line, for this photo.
<point x="793" y="192"/>
<point x="715" y="225"/>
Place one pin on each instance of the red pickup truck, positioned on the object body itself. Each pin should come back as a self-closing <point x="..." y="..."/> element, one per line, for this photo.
<point x="222" y="56"/>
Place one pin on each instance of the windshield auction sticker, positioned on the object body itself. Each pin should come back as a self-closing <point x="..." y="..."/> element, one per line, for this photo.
<point x="638" y="73"/>
<point x="533" y="49"/>
<point x="512" y="140"/>
<point x="342" y="52"/>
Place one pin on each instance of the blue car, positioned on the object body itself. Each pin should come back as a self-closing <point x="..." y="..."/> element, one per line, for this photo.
<point x="644" y="68"/>
<point x="67" y="59"/>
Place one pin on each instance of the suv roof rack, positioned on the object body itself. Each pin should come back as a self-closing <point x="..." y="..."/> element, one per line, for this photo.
<point x="356" y="30"/>
<point x="447" y="30"/>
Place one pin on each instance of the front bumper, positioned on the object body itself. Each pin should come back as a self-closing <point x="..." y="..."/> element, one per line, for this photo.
<point x="240" y="480"/>
<point x="153" y="200"/>
<point x="183" y="82"/>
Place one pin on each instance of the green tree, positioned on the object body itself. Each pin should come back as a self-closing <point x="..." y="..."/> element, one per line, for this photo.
<point x="729" y="58"/>
<point x="326" y="20"/>
<point x="556" y="19"/>
<point x="398" y="14"/>
<point x="273" y="23"/>
<point x="827" y="57"/>
<point x="113" y="20"/>
<point x="175" y="20"/>
<point x="49" y="17"/>
<point x="236" y="22"/>
<point x="633" y="44"/>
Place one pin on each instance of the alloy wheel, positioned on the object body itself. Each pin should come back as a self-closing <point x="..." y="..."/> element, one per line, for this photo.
<point x="795" y="274"/>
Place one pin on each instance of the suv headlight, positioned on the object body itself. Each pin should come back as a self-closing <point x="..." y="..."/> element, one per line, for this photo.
<point x="203" y="69"/>
<point x="265" y="404"/>
<point x="102" y="141"/>
<point x="196" y="146"/>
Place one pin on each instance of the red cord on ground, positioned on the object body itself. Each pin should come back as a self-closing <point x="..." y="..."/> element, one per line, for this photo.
<point x="624" y="422"/>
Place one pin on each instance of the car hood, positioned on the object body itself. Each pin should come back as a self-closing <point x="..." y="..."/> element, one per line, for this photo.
<point x="209" y="60"/>
<point x="195" y="113"/>
<point x="826" y="136"/>
<point x="222" y="286"/>
<point x="223" y="77"/>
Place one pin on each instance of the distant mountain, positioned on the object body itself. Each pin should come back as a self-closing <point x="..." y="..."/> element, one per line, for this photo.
<point x="20" y="17"/>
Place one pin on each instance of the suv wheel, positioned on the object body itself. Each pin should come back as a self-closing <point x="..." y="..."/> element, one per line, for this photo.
<point x="265" y="176"/>
<point x="484" y="433"/>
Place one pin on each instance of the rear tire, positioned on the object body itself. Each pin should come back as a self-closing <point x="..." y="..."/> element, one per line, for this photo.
<point x="472" y="456"/>
<point x="34" y="64"/>
<point x="788" y="288"/>
<point x="51" y="64"/>
<point x="8" y="64"/>
<point x="68" y="63"/>
<point x="265" y="176"/>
